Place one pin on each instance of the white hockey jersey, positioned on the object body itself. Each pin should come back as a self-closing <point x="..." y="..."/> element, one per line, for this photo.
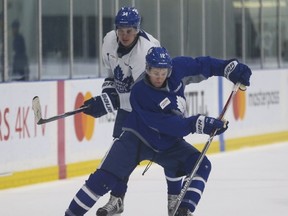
<point x="126" y="69"/>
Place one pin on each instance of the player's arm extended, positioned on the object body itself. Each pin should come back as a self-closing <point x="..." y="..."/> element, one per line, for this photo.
<point x="192" y="70"/>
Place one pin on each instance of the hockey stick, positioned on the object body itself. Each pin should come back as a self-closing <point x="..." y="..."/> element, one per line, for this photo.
<point x="38" y="114"/>
<point x="203" y="153"/>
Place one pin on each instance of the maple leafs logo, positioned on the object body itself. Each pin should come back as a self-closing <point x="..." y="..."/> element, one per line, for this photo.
<point x="123" y="85"/>
<point x="181" y="105"/>
<point x="118" y="73"/>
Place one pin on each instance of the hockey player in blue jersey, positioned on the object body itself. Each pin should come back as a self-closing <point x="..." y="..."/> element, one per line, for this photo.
<point x="155" y="128"/>
<point x="123" y="53"/>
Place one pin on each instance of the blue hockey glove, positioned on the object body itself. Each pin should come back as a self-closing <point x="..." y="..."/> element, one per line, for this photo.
<point x="108" y="87"/>
<point x="238" y="72"/>
<point x="207" y="125"/>
<point x="98" y="106"/>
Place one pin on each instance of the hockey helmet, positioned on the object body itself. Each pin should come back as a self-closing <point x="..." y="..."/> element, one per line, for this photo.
<point x="128" y="17"/>
<point x="158" y="57"/>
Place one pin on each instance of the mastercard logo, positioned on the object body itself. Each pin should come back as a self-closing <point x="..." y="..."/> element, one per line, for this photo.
<point x="83" y="124"/>
<point x="239" y="105"/>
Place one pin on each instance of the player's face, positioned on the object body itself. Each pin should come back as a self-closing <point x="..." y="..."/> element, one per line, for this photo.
<point x="126" y="35"/>
<point x="157" y="76"/>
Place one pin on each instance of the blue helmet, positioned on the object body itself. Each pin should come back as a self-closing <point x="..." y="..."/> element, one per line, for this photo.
<point x="128" y="17"/>
<point x="158" y="57"/>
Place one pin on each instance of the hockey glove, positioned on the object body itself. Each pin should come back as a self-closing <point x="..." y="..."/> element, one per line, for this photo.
<point x="108" y="87"/>
<point x="98" y="106"/>
<point x="238" y="72"/>
<point x="207" y="125"/>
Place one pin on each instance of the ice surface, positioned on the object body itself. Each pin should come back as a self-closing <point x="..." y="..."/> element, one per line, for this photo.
<point x="248" y="182"/>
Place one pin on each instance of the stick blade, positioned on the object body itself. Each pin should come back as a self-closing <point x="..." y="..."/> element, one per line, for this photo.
<point x="37" y="109"/>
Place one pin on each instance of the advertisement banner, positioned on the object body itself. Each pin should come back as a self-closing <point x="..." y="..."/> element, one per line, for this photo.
<point x="258" y="115"/>
<point x="87" y="138"/>
<point x="23" y="144"/>
<point x="262" y="108"/>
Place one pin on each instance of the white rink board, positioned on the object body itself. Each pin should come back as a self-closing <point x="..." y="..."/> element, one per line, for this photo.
<point x="97" y="145"/>
<point x="266" y="105"/>
<point x="25" y="145"/>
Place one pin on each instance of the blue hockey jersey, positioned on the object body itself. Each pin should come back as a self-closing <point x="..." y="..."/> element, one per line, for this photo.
<point x="158" y="114"/>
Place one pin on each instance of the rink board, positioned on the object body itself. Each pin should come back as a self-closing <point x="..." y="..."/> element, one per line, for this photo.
<point x="75" y="145"/>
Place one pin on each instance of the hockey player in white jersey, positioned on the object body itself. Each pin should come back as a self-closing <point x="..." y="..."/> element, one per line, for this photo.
<point x="155" y="128"/>
<point x="123" y="53"/>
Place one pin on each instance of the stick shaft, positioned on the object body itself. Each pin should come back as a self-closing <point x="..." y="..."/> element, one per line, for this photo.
<point x="203" y="153"/>
<point x="57" y="117"/>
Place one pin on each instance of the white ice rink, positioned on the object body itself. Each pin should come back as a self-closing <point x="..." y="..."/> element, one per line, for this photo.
<point x="249" y="182"/>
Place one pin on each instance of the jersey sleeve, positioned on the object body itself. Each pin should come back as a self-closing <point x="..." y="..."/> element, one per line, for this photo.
<point x="193" y="70"/>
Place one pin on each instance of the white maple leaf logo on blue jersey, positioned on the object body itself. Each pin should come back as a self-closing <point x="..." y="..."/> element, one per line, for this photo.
<point x="181" y="105"/>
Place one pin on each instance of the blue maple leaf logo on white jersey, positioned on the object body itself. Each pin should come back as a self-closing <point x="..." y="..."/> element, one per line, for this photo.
<point x="123" y="85"/>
